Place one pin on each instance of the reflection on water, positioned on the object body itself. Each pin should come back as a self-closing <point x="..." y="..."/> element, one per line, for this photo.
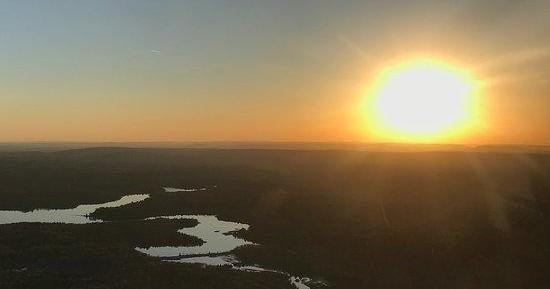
<point x="78" y="215"/>
<point x="215" y="234"/>
<point x="178" y="190"/>
<point x="210" y="229"/>
<point x="305" y="283"/>
<point x="232" y="262"/>
<point x="217" y="240"/>
<point x="224" y="260"/>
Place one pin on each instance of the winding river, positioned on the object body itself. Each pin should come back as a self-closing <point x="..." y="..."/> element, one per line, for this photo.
<point x="78" y="215"/>
<point x="215" y="233"/>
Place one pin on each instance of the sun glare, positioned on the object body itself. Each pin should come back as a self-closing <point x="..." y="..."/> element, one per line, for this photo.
<point x="422" y="100"/>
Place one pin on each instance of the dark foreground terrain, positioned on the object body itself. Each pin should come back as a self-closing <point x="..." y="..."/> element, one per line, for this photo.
<point x="353" y="219"/>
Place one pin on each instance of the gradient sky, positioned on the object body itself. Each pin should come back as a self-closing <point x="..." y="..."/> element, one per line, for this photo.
<point x="256" y="70"/>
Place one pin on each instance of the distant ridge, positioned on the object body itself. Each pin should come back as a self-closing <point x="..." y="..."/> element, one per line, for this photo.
<point x="512" y="148"/>
<point x="352" y="146"/>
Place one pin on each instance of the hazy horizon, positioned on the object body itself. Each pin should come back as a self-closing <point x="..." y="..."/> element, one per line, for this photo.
<point x="382" y="147"/>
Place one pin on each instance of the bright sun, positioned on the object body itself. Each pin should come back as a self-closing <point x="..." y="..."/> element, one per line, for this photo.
<point x="421" y="100"/>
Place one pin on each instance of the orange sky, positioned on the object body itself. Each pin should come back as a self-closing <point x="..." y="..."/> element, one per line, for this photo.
<point x="240" y="71"/>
